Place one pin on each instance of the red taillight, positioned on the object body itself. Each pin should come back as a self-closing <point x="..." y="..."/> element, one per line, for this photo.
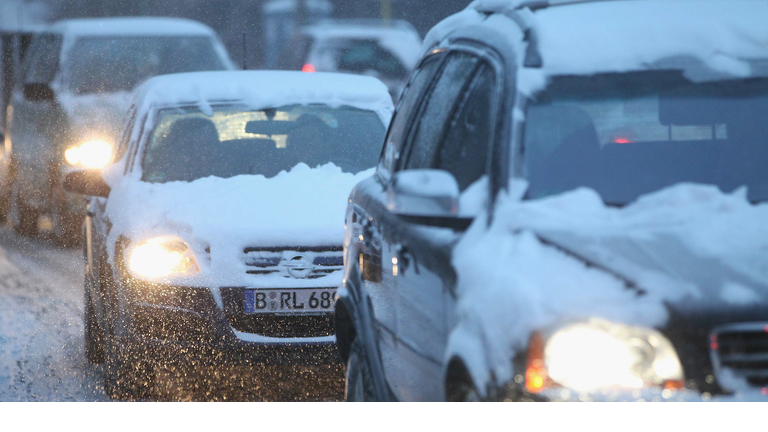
<point x="622" y="141"/>
<point x="308" y="68"/>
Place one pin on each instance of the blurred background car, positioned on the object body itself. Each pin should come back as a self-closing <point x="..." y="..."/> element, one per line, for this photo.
<point x="387" y="50"/>
<point x="216" y="237"/>
<point x="71" y="96"/>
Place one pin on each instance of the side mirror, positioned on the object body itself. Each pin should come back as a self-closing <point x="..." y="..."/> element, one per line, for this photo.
<point x="38" y="92"/>
<point x="424" y="193"/>
<point x="86" y="182"/>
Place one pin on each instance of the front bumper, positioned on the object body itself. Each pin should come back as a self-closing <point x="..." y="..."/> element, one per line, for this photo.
<point x="184" y="325"/>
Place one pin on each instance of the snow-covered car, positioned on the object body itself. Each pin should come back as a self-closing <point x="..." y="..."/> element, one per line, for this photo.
<point x="217" y="235"/>
<point x="70" y="103"/>
<point x="387" y="50"/>
<point x="568" y="208"/>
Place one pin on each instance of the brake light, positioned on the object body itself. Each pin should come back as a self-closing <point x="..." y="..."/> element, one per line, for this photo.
<point x="621" y="140"/>
<point x="308" y="68"/>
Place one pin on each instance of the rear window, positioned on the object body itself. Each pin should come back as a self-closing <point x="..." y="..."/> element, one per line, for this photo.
<point x="360" y="56"/>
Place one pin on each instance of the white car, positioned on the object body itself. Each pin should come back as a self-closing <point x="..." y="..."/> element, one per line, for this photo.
<point x="217" y="235"/>
<point x="385" y="50"/>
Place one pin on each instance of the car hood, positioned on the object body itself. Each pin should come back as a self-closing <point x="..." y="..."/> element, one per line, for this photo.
<point x="682" y="251"/>
<point x="95" y="116"/>
<point x="219" y="218"/>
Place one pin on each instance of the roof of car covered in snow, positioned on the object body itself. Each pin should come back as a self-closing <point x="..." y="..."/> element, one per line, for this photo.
<point x="266" y="89"/>
<point x="129" y="26"/>
<point x="607" y="36"/>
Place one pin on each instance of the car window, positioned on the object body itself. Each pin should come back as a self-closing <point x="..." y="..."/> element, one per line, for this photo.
<point x="437" y="113"/>
<point x="45" y="59"/>
<point x="367" y="56"/>
<point x="408" y="104"/>
<point x="125" y="136"/>
<point x="465" y="150"/>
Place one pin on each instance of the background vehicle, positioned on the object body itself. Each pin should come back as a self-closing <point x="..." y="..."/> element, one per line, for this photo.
<point x="75" y="91"/>
<point x="385" y="50"/>
<point x="218" y="238"/>
<point x="479" y="265"/>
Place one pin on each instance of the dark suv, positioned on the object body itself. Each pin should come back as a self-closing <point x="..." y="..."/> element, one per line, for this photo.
<point x="565" y="210"/>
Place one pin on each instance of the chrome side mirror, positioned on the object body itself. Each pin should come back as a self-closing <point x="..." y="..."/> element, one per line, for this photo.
<point x="424" y="193"/>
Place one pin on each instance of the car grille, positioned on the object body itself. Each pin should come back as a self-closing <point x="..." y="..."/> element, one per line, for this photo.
<point x="743" y="349"/>
<point x="298" y="263"/>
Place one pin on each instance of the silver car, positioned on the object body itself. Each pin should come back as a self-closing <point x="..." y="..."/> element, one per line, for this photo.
<point x="73" y="96"/>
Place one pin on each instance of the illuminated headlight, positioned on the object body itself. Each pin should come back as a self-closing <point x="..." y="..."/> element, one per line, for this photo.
<point x="599" y="355"/>
<point x="90" y="154"/>
<point x="161" y="257"/>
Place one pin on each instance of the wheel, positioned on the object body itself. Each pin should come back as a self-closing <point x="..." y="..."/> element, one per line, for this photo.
<point x="66" y="227"/>
<point x="94" y="336"/>
<point x="358" y="387"/>
<point x="125" y="377"/>
<point x="22" y="218"/>
<point x="459" y="386"/>
<point x="126" y="374"/>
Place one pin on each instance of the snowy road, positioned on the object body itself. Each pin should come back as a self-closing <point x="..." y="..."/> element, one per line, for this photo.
<point x="41" y="339"/>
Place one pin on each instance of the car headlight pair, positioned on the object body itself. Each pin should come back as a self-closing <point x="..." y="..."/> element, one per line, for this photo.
<point x="90" y="154"/>
<point x="162" y="257"/>
<point x="598" y="355"/>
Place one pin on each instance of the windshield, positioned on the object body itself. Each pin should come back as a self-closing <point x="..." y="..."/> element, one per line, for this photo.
<point x="629" y="134"/>
<point x="113" y="64"/>
<point x="187" y="145"/>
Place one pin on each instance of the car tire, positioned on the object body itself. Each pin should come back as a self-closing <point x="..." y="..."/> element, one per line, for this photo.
<point x="460" y="387"/>
<point x="23" y="219"/>
<point x="358" y="383"/>
<point x="94" y="336"/>
<point x="125" y="377"/>
<point x="66" y="228"/>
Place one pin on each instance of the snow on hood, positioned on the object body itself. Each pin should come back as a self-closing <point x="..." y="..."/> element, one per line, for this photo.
<point x="303" y="207"/>
<point x="684" y="243"/>
<point x="97" y="115"/>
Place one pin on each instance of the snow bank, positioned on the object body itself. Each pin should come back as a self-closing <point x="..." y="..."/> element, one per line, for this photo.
<point x="533" y="284"/>
<point x="267" y="89"/>
<point x="303" y="207"/>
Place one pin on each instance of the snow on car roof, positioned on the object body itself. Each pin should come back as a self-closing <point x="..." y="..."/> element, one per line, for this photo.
<point x="267" y="89"/>
<point x="614" y="36"/>
<point x="131" y="26"/>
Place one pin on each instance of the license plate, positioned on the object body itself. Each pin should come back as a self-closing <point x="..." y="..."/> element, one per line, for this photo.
<point x="294" y="301"/>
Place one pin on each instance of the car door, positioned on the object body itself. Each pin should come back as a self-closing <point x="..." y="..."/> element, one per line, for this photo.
<point x="453" y="135"/>
<point x="366" y="212"/>
<point x="33" y="125"/>
<point x="97" y="225"/>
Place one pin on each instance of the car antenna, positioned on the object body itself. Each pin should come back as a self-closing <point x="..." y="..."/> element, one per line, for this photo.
<point x="245" y="53"/>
